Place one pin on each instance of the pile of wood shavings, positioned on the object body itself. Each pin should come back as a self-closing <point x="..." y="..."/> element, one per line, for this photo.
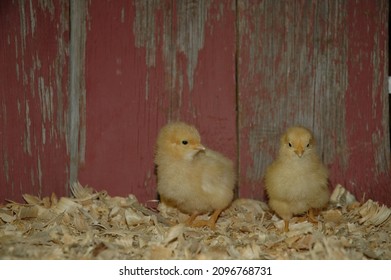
<point x="93" y="225"/>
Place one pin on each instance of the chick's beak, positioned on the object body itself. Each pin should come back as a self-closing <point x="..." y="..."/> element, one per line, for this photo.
<point x="299" y="151"/>
<point x="199" y="147"/>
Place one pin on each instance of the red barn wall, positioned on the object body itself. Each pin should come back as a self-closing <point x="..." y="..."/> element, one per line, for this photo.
<point x="148" y="62"/>
<point x="86" y="85"/>
<point x="34" y="97"/>
<point x="322" y="64"/>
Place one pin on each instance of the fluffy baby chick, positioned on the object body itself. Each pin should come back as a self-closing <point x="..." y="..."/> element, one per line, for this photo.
<point x="297" y="180"/>
<point x="190" y="177"/>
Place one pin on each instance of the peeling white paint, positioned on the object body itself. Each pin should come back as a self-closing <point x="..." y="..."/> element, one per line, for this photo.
<point x="144" y="28"/>
<point x="27" y="134"/>
<point x="191" y="18"/>
<point x="122" y="15"/>
<point x="76" y="140"/>
<point x="379" y="84"/>
<point x="47" y="5"/>
<point x="6" y="166"/>
<point x="37" y="78"/>
<point x="39" y="171"/>
<point x="19" y="106"/>
<point x="186" y="37"/>
<point x="24" y="74"/>
<point x="33" y="19"/>
<point x="147" y="87"/>
<point x="16" y="46"/>
<point x="46" y="100"/>
<point x="23" y="26"/>
<point x="17" y="72"/>
<point x="118" y="70"/>
<point x="59" y="69"/>
<point x="24" y="31"/>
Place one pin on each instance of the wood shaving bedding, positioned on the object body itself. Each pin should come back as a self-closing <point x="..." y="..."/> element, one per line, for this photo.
<point x="93" y="225"/>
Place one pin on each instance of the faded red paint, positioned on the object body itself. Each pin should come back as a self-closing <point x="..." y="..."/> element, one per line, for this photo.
<point x="365" y="101"/>
<point x="320" y="63"/>
<point x="33" y="87"/>
<point x="115" y="75"/>
<point x="128" y="100"/>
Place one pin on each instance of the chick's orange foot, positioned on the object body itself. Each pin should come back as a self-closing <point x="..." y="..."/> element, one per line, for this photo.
<point x="311" y="216"/>
<point x="211" y="222"/>
<point x="286" y="226"/>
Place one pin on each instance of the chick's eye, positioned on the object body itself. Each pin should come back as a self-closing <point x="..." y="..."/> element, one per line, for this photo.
<point x="290" y="145"/>
<point x="185" y="142"/>
<point x="308" y="145"/>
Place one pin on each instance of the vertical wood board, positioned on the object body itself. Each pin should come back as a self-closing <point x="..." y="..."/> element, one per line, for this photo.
<point x="368" y="171"/>
<point x="33" y="94"/>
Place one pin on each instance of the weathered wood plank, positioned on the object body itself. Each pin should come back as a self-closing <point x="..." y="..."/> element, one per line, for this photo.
<point x="368" y="170"/>
<point x="320" y="64"/>
<point x="77" y="90"/>
<point x="33" y="96"/>
<point x="148" y="62"/>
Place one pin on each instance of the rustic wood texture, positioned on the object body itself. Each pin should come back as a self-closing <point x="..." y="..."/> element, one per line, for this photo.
<point x="33" y="97"/>
<point x="148" y="62"/>
<point x="321" y="64"/>
<point x="86" y="85"/>
<point x="77" y="88"/>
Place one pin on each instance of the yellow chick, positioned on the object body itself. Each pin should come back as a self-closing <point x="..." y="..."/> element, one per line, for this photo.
<point x="190" y="177"/>
<point x="297" y="181"/>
